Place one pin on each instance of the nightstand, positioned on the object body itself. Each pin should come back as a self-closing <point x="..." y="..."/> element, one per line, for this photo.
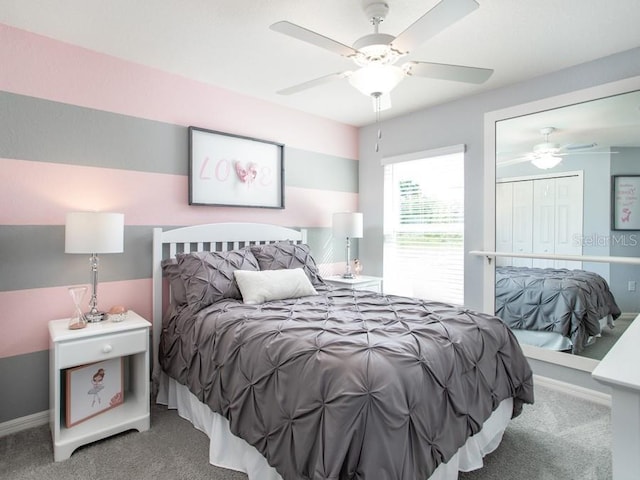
<point x="128" y="340"/>
<point x="362" y="282"/>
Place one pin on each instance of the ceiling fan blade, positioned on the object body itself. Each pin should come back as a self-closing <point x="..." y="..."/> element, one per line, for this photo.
<point x="442" y="71"/>
<point x="511" y="161"/>
<point x="301" y="33"/>
<point x="578" y="146"/>
<point x="313" y="83"/>
<point x="433" y="22"/>
<point x="579" y="153"/>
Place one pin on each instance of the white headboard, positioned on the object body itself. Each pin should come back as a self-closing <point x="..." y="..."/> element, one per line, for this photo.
<point x="213" y="237"/>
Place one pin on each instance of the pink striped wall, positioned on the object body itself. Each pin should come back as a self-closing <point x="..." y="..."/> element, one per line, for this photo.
<point x="40" y="193"/>
<point x="27" y="319"/>
<point x="46" y="68"/>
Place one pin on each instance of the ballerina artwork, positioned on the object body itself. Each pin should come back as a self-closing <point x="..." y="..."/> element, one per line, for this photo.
<point x="92" y="389"/>
<point x="97" y="386"/>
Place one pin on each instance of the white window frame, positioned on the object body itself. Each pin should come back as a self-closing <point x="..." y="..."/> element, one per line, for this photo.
<point x="410" y="281"/>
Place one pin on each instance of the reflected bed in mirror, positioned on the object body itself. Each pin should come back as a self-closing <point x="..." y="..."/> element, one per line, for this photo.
<point x="566" y="310"/>
<point x="554" y="161"/>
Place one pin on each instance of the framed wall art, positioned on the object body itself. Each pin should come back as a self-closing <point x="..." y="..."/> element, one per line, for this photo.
<point x="236" y="171"/>
<point x="92" y="389"/>
<point x="625" y="202"/>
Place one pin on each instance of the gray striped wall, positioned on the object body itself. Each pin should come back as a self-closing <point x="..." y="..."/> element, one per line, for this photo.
<point x="32" y="256"/>
<point x="46" y="131"/>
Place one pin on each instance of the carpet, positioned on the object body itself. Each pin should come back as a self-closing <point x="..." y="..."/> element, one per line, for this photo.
<point x="559" y="438"/>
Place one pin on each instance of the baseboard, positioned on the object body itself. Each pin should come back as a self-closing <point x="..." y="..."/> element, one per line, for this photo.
<point x="575" y="390"/>
<point x="23" y="423"/>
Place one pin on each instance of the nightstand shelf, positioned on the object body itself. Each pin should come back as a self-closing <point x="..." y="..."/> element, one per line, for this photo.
<point x="105" y="340"/>
<point x="362" y="282"/>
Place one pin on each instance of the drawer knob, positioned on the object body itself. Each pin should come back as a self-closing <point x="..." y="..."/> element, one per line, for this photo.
<point x="107" y="348"/>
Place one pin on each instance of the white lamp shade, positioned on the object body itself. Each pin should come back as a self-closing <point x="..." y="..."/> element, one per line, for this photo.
<point x="94" y="232"/>
<point x="347" y="224"/>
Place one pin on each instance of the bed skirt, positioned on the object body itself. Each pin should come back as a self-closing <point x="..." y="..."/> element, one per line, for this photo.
<point x="228" y="451"/>
<point x="556" y="341"/>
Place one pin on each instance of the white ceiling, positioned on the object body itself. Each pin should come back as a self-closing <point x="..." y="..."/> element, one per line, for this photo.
<point x="608" y="122"/>
<point x="228" y="43"/>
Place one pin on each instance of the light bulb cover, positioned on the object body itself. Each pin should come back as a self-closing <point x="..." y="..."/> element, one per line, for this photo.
<point x="376" y="79"/>
<point x="546" y="161"/>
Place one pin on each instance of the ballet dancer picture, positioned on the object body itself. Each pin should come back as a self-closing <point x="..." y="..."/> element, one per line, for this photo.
<point x="97" y="386"/>
<point x="92" y="389"/>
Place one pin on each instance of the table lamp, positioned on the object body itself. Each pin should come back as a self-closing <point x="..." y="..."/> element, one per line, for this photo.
<point x="93" y="233"/>
<point x="347" y="225"/>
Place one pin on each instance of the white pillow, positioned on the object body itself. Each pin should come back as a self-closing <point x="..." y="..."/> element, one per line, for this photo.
<point x="265" y="285"/>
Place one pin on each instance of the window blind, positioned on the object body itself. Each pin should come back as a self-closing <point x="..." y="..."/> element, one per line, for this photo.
<point x="424" y="228"/>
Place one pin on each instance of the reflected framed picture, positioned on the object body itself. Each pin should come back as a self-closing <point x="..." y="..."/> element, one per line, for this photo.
<point x="234" y="171"/>
<point x="625" y="202"/>
<point x="93" y="389"/>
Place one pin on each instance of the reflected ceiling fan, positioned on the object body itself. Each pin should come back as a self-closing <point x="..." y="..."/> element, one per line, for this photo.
<point x="547" y="154"/>
<point x="376" y="55"/>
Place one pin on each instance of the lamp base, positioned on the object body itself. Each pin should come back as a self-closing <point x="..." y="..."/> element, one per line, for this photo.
<point x="94" y="317"/>
<point x="348" y="275"/>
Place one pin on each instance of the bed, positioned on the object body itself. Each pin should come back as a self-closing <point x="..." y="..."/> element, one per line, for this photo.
<point x="558" y="309"/>
<point x="330" y="383"/>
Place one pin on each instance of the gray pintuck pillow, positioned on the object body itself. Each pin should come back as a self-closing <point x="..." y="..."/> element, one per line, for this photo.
<point x="171" y="270"/>
<point x="280" y="255"/>
<point x="208" y="276"/>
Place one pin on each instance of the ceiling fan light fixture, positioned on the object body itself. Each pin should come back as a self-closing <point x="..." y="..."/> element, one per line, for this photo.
<point x="377" y="54"/>
<point x="375" y="48"/>
<point x="546" y="148"/>
<point x="376" y="79"/>
<point x="546" y="161"/>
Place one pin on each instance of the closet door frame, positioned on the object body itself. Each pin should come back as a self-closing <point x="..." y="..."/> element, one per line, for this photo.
<point x="547" y="176"/>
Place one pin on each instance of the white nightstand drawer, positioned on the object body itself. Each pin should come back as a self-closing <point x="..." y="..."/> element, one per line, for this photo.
<point x="102" y="347"/>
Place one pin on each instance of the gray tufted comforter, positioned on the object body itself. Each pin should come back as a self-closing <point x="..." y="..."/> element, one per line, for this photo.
<point x="348" y="384"/>
<point x="569" y="302"/>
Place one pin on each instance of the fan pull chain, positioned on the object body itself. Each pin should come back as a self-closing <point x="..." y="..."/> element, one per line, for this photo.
<point x="377" y="107"/>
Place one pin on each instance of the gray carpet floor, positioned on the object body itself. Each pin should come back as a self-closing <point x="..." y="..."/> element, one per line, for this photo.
<point x="609" y="336"/>
<point x="558" y="438"/>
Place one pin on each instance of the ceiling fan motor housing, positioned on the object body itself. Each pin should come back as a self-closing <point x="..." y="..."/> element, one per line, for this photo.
<point x="375" y="48"/>
<point x="376" y="11"/>
<point x="547" y="147"/>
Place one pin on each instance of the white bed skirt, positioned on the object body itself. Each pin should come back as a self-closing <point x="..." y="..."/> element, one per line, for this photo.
<point x="228" y="451"/>
<point x="557" y="341"/>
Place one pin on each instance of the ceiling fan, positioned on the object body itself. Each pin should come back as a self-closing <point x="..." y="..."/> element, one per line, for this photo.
<point x="376" y="55"/>
<point x="547" y="154"/>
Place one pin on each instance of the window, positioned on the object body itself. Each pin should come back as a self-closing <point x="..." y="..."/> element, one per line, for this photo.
<point x="424" y="226"/>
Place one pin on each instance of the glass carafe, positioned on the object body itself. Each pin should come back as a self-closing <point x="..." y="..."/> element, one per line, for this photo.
<point x="77" y="320"/>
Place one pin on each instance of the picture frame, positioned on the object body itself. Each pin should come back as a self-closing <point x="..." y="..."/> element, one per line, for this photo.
<point x="625" y="202"/>
<point x="93" y="389"/>
<point x="234" y="171"/>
